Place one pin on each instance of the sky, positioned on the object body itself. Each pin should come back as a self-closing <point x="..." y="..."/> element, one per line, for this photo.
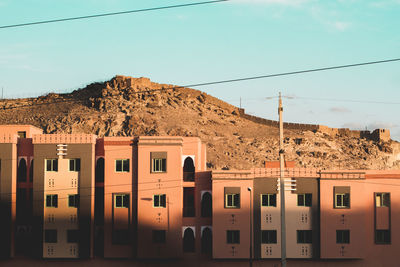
<point x="205" y="43"/>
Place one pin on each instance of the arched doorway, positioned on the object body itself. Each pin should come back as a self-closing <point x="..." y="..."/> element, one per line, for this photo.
<point x="21" y="172"/>
<point x="99" y="172"/>
<point x="188" y="170"/>
<point x="188" y="240"/>
<point x="206" y="241"/>
<point x="206" y="205"/>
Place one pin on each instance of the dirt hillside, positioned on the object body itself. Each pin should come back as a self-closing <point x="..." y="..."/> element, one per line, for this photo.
<point x="126" y="106"/>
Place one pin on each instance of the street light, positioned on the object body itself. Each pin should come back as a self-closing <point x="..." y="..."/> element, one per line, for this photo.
<point x="251" y="231"/>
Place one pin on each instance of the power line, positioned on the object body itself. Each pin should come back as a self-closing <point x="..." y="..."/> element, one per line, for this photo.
<point x="109" y="14"/>
<point x="233" y="80"/>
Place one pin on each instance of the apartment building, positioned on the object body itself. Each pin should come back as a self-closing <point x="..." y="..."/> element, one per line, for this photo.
<point x="331" y="216"/>
<point x="151" y="197"/>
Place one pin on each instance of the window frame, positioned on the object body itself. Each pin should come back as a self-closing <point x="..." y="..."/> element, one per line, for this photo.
<point x="123" y="204"/>
<point x="122" y="165"/>
<point x="383" y="241"/>
<point x="268" y="237"/>
<point x="48" y="238"/>
<point x="306" y="202"/>
<point x="303" y="238"/>
<point x="343" y="206"/>
<point x="234" y="199"/>
<point x="53" y="167"/>
<point x="161" y="198"/>
<point x="384" y="201"/>
<point x="162" y="164"/>
<point x="76" y="165"/>
<point x="233" y="236"/>
<point x="268" y="196"/>
<point x="75" y="203"/>
<point x="53" y="203"/>
<point x="343" y="236"/>
<point x="73" y="239"/>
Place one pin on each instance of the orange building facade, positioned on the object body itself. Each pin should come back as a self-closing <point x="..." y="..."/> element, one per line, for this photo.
<point x="151" y="197"/>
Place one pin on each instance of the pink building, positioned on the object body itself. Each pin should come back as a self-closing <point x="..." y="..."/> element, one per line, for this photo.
<point x="79" y="196"/>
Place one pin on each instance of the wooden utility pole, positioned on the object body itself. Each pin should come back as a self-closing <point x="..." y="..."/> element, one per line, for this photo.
<point x="282" y="184"/>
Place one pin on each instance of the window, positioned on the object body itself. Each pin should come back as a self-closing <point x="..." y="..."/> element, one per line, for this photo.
<point x="159" y="236"/>
<point x="304" y="200"/>
<point x="121" y="200"/>
<point x="268" y="237"/>
<point x="72" y="236"/>
<point x="50" y="236"/>
<point x="73" y="201"/>
<point x="120" y="237"/>
<point x="159" y="165"/>
<point x="52" y="165"/>
<point x="268" y="200"/>
<point x="122" y="165"/>
<point x="232" y="201"/>
<point x="21" y="134"/>
<point x="342" y="236"/>
<point x="304" y="236"/>
<point x="159" y="201"/>
<point x="382" y="236"/>
<point x="233" y="237"/>
<point x="342" y="197"/>
<point x="382" y="199"/>
<point x="342" y="201"/>
<point x="52" y="201"/>
<point x="74" y="165"/>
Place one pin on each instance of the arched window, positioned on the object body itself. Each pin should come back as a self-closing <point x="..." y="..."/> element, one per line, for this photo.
<point x="31" y="172"/>
<point x="206" y="205"/>
<point x="188" y="240"/>
<point x="99" y="172"/>
<point x="206" y="241"/>
<point x="21" y="172"/>
<point x="188" y="170"/>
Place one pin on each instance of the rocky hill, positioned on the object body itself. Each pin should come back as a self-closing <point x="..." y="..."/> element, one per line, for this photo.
<point x="126" y="106"/>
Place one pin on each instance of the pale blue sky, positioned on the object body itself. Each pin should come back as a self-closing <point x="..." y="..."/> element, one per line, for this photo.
<point x="215" y="42"/>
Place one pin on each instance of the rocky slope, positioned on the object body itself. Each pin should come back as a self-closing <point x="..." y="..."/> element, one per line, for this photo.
<point x="126" y="106"/>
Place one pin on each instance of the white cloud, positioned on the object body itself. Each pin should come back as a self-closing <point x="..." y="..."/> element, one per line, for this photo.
<point x="341" y="25"/>
<point x="339" y="110"/>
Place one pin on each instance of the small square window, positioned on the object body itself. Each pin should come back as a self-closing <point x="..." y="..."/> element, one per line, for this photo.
<point x="51" y="201"/>
<point x="121" y="237"/>
<point x="382" y="236"/>
<point x="159" y="236"/>
<point x="122" y="165"/>
<point x="343" y="236"/>
<point x="304" y="200"/>
<point x="50" y="236"/>
<point x="268" y="200"/>
<point x="233" y="237"/>
<point x="72" y="236"/>
<point x="74" y="165"/>
<point x="304" y="236"/>
<point x="159" y="165"/>
<point x="342" y="200"/>
<point x="73" y="200"/>
<point x="232" y="200"/>
<point x="22" y="134"/>
<point x="159" y="201"/>
<point x="52" y="165"/>
<point x="382" y="199"/>
<point x="121" y="200"/>
<point x="268" y="237"/>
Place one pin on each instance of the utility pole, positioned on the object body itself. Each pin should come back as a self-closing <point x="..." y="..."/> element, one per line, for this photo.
<point x="282" y="184"/>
